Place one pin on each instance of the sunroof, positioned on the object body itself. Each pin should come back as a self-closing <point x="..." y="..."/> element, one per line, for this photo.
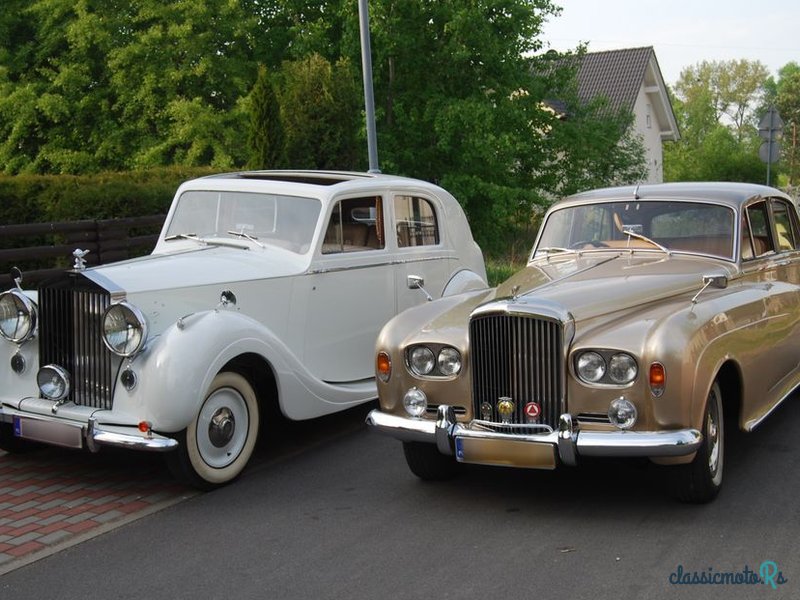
<point x="313" y="178"/>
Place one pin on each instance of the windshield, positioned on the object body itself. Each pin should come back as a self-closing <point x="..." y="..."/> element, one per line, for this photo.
<point x="265" y="219"/>
<point x="693" y="227"/>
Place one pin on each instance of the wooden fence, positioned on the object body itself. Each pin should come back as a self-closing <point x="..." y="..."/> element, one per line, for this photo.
<point x="45" y="249"/>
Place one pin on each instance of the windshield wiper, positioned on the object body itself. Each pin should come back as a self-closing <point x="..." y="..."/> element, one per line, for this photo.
<point x="247" y="236"/>
<point x="206" y="241"/>
<point x="644" y="238"/>
<point x="552" y="249"/>
<point x="183" y="236"/>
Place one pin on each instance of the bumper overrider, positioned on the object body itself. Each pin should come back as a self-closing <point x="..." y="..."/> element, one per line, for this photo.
<point x="535" y="450"/>
<point x="88" y="433"/>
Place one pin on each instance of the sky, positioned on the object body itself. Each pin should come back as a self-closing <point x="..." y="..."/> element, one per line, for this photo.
<point x="683" y="32"/>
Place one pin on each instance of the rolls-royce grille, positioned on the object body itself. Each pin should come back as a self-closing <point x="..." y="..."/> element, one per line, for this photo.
<point x="70" y="336"/>
<point x="521" y="358"/>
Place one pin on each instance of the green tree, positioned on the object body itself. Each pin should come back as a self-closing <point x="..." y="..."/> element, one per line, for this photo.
<point x="732" y="87"/>
<point x="784" y="94"/>
<point x="320" y="110"/>
<point x="717" y="105"/>
<point x="266" y="139"/>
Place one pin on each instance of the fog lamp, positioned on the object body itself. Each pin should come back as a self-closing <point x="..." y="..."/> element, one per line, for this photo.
<point x="128" y="379"/>
<point x="415" y="402"/>
<point x="18" y="363"/>
<point x="53" y="382"/>
<point x="622" y="413"/>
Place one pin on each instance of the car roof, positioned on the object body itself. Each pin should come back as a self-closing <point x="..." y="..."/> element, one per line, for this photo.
<point x="730" y="193"/>
<point x="307" y="182"/>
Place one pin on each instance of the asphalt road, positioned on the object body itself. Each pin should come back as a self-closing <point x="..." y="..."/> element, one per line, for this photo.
<point x="334" y="513"/>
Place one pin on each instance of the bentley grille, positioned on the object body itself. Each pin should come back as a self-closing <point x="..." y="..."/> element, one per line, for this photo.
<point x="521" y="358"/>
<point x="70" y="336"/>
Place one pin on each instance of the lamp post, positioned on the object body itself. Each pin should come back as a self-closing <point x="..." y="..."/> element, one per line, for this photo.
<point x="369" y="98"/>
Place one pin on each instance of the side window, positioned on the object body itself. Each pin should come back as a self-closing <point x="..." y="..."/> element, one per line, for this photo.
<point x="785" y="226"/>
<point x="416" y="222"/>
<point x="356" y="224"/>
<point x="759" y="229"/>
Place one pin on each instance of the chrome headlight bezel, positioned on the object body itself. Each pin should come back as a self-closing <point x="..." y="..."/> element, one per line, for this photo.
<point x="600" y="366"/>
<point x="433" y="360"/>
<point x="26" y="312"/>
<point x="127" y="323"/>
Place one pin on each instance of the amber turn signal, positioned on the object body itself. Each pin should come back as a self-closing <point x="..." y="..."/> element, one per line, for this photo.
<point x="658" y="379"/>
<point x="383" y="366"/>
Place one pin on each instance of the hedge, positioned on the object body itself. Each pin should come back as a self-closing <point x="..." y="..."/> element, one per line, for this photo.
<point x="48" y="198"/>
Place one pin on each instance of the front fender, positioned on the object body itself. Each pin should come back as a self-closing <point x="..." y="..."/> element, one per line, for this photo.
<point x="178" y="366"/>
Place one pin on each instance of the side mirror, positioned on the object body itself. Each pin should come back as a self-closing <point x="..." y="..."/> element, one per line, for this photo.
<point x="715" y="281"/>
<point x="415" y="282"/>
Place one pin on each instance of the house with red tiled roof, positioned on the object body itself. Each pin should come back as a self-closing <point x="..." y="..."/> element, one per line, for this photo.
<point x="630" y="80"/>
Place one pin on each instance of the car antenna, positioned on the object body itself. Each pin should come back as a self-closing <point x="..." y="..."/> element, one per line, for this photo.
<point x="636" y="192"/>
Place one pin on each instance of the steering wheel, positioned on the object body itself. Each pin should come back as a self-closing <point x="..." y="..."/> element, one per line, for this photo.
<point x="592" y="243"/>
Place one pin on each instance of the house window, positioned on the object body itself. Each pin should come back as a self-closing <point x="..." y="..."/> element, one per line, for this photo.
<point x="648" y="118"/>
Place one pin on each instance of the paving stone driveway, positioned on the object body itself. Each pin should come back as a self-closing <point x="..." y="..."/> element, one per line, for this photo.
<point x="53" y="498"/>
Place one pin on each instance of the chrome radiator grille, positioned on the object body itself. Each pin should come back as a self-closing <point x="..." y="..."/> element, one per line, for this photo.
<point x="70" y="336"/>
<point x="519" y="357"/>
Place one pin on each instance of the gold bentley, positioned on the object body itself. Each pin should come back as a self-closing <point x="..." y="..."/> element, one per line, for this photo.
<point x="647" y="320"/>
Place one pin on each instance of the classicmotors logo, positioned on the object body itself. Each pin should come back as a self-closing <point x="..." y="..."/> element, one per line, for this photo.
<point x="767" y="574"/>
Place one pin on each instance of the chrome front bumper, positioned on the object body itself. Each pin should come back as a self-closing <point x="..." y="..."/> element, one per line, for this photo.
<point x="568" y="440"/>
<point x="75" y="434"/>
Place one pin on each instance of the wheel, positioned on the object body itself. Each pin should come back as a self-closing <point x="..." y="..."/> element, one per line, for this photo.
<point x="219" y="441"/>
<point x="427" y="463"/>
<point x="13" y="444"/>
<point x="700" y="480"/>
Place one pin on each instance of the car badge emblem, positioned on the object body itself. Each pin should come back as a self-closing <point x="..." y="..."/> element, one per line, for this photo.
<point x="532" y="412"/>
<point x="486" y="411"/>
<point x="505" y="406"/>
<point x="80" y="261"/>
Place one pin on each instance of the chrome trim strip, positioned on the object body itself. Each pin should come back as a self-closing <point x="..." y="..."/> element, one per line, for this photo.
<point x="571" y="443"/>
<point x="386" y="263"/>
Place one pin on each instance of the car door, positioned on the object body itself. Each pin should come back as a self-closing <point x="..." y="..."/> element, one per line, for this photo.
<point x="422" y="248"/>
<point x="348" y="294"/>
<point x="769" y="259"/>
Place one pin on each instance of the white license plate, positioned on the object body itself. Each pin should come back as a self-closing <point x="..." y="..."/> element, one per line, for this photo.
<point x="49" y="432"/>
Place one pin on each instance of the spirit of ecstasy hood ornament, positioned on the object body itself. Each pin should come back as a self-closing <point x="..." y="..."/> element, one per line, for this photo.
<point x="80" y="261"/>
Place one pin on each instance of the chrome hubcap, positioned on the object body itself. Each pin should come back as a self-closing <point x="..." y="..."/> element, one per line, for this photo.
<point x="714" y="435"/>
<point x="221" y="427"/>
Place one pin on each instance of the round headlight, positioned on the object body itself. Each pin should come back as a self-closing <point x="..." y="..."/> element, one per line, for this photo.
<point x="415" y="402"/>
<point x="17" y="316"/>
<point x="421" y="360"/>
<point x="124" y="329"/>
<point x="53" y="382"/>
<point x="622" y="413"/>
<point x="449" y="361"/>
<point x="622" y="368"/>
<point x="591" y="367"/>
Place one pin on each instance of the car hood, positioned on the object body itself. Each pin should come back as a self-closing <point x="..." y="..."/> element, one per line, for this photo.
<point x="203" y="266"/>
<point x="594" y="284"/>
